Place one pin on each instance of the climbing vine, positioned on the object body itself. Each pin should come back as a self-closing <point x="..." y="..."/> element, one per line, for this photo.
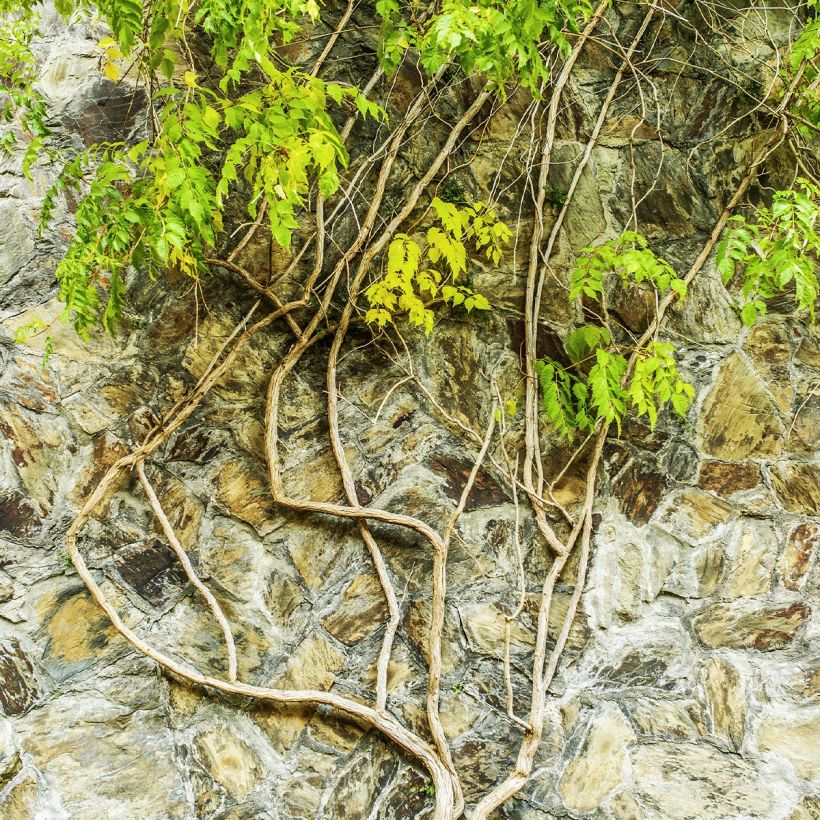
<point x="241" y="141"/>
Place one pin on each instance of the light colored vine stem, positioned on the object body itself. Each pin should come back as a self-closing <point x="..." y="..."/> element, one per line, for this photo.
<point x="314" y="72"/>
<point x="354" y="511"/>
<point x="439" y="602"/>
<point x="541" y="681"/>
<point x="531" y="415"/>
<point x="582" y="164"/>
<point x="375" y="718"/>
<point x="378" y="719"/>
<point x="190" y="572"/>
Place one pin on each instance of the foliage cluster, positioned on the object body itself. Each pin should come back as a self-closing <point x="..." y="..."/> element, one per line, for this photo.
<point x="500" y="40"/>
<point x="410" y="272"/>
<point x="777" y="250"/>
<point x="159" y="204"/>
<point x="19" y="100"/>
<point x="599" y="384"/>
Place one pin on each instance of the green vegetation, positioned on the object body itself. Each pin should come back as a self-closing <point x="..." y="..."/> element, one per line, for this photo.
<point x="408" y="277"/>
<point x="777" y="250"/>
<point x="239" y="139"/>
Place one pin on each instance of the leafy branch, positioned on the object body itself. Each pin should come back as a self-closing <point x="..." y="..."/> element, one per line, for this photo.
<point x="776" y="252"/>
<point x="598" y="386"/>
<point x="408" y="278"/>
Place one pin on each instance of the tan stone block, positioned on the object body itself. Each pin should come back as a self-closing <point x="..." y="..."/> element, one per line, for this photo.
<point x="794" y="736"/>
<point x="803" y="543"/>
<point x="692" y="514"/>
<point x="623" y="806"/>
<point x="361" y="610"/>
<point x="20" y="803"/>
<point x="750" y="624"/>
<point x="246" y="495"/>
<point x="681" y="781"/>
<point x="76" y="628"/>
<point x="661" y="717"/>
<point x="751" y="556"/>
<point x="726" y="700"/>
<point x="807" y="809"/>
<point x="739" y="418"/>
<point x="229" y="761"/>
<point x="312" y="665"/>
<point x="597" y="769"/>
<point x="797" y="484"/>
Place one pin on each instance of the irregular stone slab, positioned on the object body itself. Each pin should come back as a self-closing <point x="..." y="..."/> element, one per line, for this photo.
<point x="18" y="516"/>
<point x="797" y="484"/>
<point x="706" y="314"/>
<point x="77" y="632"/>
<point x="725" y="479"/>
<point x="19" y="690"/>
<point x="21" y="800"/>
<point x="314" y="664"/>
<point x="362" y="784"/>
<point x="751" y="553"/>
<point x="664" y="717"/>
<point x="361" y="610"/>
<point x="683" y="781"/>
<point x="38" y="446"/>
<point x="485" y="491"/>
<point x="597" y="769"/>
<point x="485" y="625"/>
<point x="808" y="352"/>
<point x="106" y="112"/>
<point x="246" y="495"/>
<point x="726" y="700"/>
<point x="793" y="736"/>
<point x="739" y="418"/>
<point x="106" y="450"/>
<point x="153" y="572"/>
<point x="804" y="434"/>
<point x="808" y="809"/>
<point x="804" y="541"/>
<point x="6" y="588"/>
<point x="692" y="514"/>
<point x="9" y="755"/>
<point x="229" y="761"/>
<point x="749" y="625"/>
<point x="660" y="666"/>
<point x="639" y="490"/>
<point x="698" y="572"/>
<point x="769" y="348"/>
<point x="16" y="243"/>
<point x="123" y="740"/>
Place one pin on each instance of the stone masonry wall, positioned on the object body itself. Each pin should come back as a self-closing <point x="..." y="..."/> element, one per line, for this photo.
<point x="691" y="684"/>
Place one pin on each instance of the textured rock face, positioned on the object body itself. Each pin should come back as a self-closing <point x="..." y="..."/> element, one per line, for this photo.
<point x="691" y="684"/>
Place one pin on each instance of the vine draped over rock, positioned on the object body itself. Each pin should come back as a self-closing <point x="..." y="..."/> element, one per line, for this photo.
<point x="234" y="131"/>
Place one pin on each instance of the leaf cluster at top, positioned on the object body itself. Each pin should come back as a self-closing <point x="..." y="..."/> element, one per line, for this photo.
<point x="414" y="269"/>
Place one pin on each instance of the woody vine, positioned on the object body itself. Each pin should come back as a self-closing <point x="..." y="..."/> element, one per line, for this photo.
<point x="232" y="124"/>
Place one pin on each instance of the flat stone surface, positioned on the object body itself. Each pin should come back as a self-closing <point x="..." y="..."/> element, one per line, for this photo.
<point x="793" y="737"/>
<point x="598" y="768"/>
<point x="750" y="625"/>
<point x="19" y="690"/>
<point x="797" y="485"/>
<point x="739" y="418"/>
<point x="726" y="700"/>
<point x="681" y="781"/>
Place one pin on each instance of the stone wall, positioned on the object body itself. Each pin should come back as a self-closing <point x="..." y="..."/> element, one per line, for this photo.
<point x="691" y="684"/>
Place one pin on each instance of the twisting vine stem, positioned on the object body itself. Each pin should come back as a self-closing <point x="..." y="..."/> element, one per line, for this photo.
<point x="331" y="285"/>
